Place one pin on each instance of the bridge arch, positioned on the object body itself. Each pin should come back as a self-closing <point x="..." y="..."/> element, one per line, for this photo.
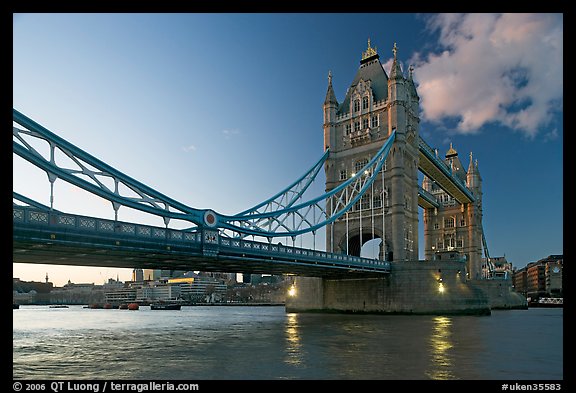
<point x="353" y="243"/>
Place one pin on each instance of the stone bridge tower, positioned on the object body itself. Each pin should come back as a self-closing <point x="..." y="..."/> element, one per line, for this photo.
<point x="375" y="105"/>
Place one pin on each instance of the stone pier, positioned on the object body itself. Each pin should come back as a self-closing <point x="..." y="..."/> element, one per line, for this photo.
<point x="419" y="287"/>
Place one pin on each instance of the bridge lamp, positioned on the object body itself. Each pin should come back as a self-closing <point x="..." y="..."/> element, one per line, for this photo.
<point x="292" y="290"/>
<point x="441" y="288"/>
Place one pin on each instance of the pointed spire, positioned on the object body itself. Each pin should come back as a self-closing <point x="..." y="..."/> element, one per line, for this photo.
<point x="471" y="165"/>
<point x="330" y="96"/>
<point x="396" y="71"/>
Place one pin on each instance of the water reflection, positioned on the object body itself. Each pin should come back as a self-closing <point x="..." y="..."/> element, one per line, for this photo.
<point x="293" y="341"/>
<point x="440" y="344"/>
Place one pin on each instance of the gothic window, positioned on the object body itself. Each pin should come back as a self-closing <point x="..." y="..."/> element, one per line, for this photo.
<point x="449" y="222"/>
<point x="359" y="165"/>
<point x="374" y="121"/>
<point x="356" y="126"/>
<point x="460" y="243"/>
<point x="462" y="222"/>
<point x="364" y="102"/>
<point x="343" y="174"/>
<point x="356" y="105"/>
<point x="436" y="226"/>
<point x="348" y="128"/>
<point x="364" y="123"/>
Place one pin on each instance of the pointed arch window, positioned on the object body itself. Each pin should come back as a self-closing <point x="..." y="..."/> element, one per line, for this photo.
<point x="356" y="105"/>
<point x="365" y="123"/>
<point x="364" y="102"/>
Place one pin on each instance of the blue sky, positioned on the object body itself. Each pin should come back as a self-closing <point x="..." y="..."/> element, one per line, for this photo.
<point x="221" y="111"/>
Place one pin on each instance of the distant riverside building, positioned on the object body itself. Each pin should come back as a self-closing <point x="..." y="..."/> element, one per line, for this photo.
<point x="199" y="288"/>
<point x="158" y="291"/>
<point x="150" y="274"/>
<point x="502" y="268"/>
<point x="540" y="279"/>
<point x="137" y="275"/>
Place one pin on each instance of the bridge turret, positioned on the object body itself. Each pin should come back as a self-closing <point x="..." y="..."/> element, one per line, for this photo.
<point x="403" y="168"/>
<point x="473" y="179"/>
<point x="330" y="108"/>
<point x="397" y="96"/>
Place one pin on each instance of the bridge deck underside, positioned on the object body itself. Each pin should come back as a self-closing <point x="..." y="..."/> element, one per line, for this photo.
<point x="39" y="245"/>
<point x="431" y="170"/>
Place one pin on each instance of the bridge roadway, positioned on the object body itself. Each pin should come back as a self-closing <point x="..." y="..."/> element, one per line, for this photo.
<point x="51" y="237"/>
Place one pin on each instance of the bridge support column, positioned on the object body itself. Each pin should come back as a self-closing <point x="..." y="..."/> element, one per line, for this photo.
<point x="413" y="287"/>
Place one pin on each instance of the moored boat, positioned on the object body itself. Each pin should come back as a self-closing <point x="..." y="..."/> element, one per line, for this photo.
<point x="550" y="302"/>
<point x="165" y="306"/>
<point x="15" y="306"/>
<point x="133" y="306"/>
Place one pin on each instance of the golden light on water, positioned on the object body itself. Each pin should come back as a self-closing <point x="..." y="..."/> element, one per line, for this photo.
<point x="440" y="344"/>
<point x="441" y="288"/>
<point x="293" y="345"/>
<point x="292" y="291"/>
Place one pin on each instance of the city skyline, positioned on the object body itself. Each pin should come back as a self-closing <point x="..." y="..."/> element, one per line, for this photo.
<point x="221" y="111"/>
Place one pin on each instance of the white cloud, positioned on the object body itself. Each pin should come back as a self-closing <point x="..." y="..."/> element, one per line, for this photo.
<point x="229" y="133"/>
<point x="189" y="148"/>
<point x="504" y="68"/>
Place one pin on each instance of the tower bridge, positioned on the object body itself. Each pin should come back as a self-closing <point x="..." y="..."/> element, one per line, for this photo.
<point x="372" y="156"/>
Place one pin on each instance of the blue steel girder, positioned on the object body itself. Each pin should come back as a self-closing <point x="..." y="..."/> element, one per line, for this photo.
<point x="278" y="216"/>
<point x="49" y="237"/>
<point x="287" y="197"/>
<point x="30" y="202"/>
<point x="437" y="170"/>
<point x="316" y="213"/>
<point x="426" y="200"/>
<point x="148" y="200"/>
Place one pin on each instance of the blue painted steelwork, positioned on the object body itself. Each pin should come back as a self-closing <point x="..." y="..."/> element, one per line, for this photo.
<point x="277" y="216"/>
<point x="50" y="237"/>
<point x="324" y="209"/>
<point x="431" y="155"/>
<point x="287" y="197"/>
<point x="427" y="197"/>
<point x="30" y="202"/>
<point x="150" y="201"/>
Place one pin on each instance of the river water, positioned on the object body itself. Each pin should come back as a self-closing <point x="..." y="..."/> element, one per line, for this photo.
<point x="266" y="343"/>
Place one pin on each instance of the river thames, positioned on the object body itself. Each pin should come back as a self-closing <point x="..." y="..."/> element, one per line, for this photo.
<point x="266" y="343"/>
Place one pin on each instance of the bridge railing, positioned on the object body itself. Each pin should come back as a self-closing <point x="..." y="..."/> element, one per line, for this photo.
<point x="428" y="196"/>
<point x="68" y="222"/>
<point x="101" y="225"/>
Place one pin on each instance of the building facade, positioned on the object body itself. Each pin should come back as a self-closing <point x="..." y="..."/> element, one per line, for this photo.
<point x="542" y="278"/>
<point x="376" y="104"/>
<point x="452" y="225"/>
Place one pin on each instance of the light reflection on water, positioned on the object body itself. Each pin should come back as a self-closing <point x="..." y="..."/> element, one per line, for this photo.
<point x="200" y="343"/>
<point x="440" y="344"/>
<point x="293" y="344"/>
